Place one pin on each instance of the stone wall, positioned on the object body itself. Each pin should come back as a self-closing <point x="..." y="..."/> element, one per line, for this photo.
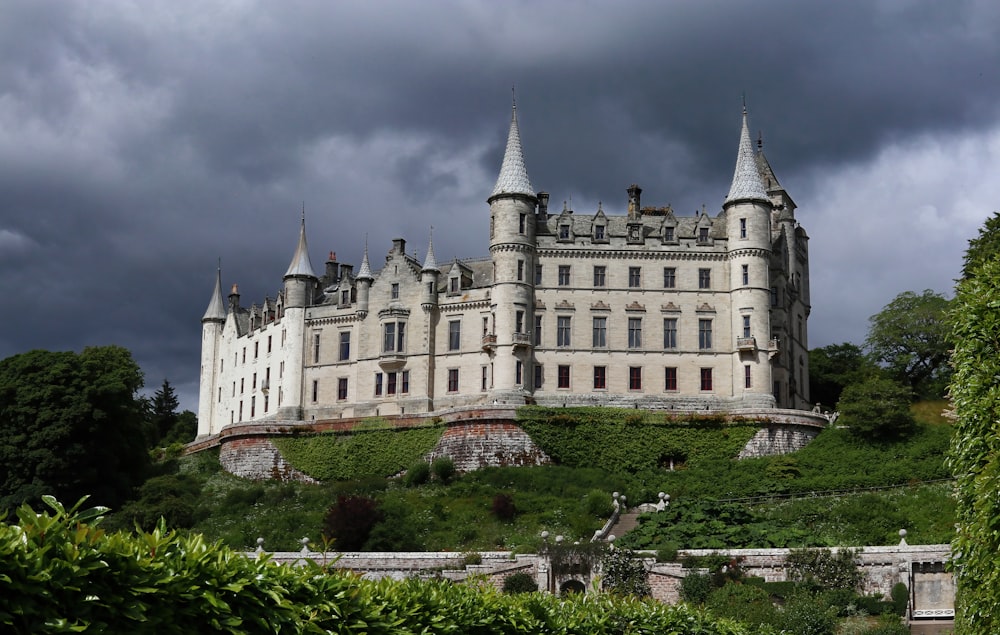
<point x="778" y="439"/>
<point x="256" y="458"/>
<point x="473" y="445"/>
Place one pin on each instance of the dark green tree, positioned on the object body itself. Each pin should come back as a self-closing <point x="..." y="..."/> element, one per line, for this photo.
<point x="71" y="425"/>
<point x="877" y="409"/>
<point x="162" y="413"/>
<point x="909" y="337"/>
<point x="975" y="449"/>
<point x="984" y="247"/>
<point x="833" y="367"/>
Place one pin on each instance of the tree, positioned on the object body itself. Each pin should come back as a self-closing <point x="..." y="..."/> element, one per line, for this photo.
<point x="877" y="409"/>
<point x="624" y="574"/>
<point x="71" y="425"/>
<point x="975" y="449"/>
<point x="163" y="410"/>
<point x="910" y="338"/>
<point x="833" y="367"/>
<point x="350" y="520"/>
<point x="983" y="248"/>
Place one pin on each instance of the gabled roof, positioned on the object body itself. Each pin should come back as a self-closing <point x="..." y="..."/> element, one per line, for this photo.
<point x="513" y="178"/>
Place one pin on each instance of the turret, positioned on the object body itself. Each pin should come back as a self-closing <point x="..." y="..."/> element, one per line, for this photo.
<point x="512" y="248"/>
<point x="429" y="274"/>
<point x="748" y="225"/>
<point x="211" y="333"/>
<point x="364" y="280"/>
<point x="300" y="279"/>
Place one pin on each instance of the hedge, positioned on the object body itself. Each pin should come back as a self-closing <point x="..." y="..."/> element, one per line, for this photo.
<point x="60" y="573"/>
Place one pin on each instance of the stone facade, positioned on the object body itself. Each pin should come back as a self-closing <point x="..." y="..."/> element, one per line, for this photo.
<point x="642" y="308"/>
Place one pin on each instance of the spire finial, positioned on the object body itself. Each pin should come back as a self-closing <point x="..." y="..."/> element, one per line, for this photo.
<point x="744" y="102"/>
<point x="301" y="266"/>
<point x="760" y="140"/>
<point x="513" y="97"/>
<point x="430" y="263"/>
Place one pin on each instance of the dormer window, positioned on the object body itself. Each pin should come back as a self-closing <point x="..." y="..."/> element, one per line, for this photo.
<point x="703" y="235"/>
<point x="345" y="296"/>
<point x="668" y="234"/>
<point x="564" y="232"/>
<point x="454" y="285"/>
<point x="599" y="232"/>
<point x="395" y="291"/>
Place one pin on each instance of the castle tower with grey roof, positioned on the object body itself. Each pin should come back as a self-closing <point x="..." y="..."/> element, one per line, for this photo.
<point x="637" y="307"/>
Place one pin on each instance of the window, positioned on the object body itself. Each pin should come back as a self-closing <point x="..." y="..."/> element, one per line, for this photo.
<point x="395" y="291"/>
<point x="600" y="276"/>
<point x="746" y="274"/>
<point x="564" y="232"/>
<point x="267" y="377"/>
<point x="454" y="335"/>
<point x="746" y="376"/>
<point x="267" y="403"/>
<point x="598" y="232"/>
<point x="774" y="296"/>
<point x="743" y="228"/>
<point x="563" y="331"/>
<point x="253" y="385"/>
<point x="519" y="322"/>
<point x="600" y="332"/>
<point x="635" y="277"/>
<point x="522" y="222"/>
<point x="453" y="285"/>
<point x="746" y="326"/>
<point x="484" y="380"/>
<point x="520" y="270"/>
<point x="538" y="330"/>
<point x="393" y="337"/>
<point x="703" y="234"/>
<point x="704" y="278"/>
<point x="241" y="410"/>
<point x="281" y="370"/>
<point x="404" y="382"/>
<point x="390" y="383"/>
<point x="345" y="296"/>
<point x="706" y="378"/>
<point x="518" y="371"/>
<point x="563" y="275"/>
<point x="635" y="378"/>
<point x="315" y="390"/>
<point x="668" y="234"/>
<point x="316" y="348"/>
<point x="563" y="377"/>
<point x="452" y="380"/>
<point x="256" y="349"/>
<point x="669" y="277"/>
<point x="600" y="378"/>
<point x="268" y="343"/>
<point x="635" y="332"/>
<point x="538" y="376"/>
<point x="342" y="388"/>
<point x="345" y="345"/>
<point x="669" y="333"/>
<point x="670" y="378"/>
<point x="538" y="274"/>
<point x="253" y="407"/>
<point x="378" y="384"/>
<point x="704" y="334"/>
<point x="244" y="354"/>
<point x="242" y="380"/>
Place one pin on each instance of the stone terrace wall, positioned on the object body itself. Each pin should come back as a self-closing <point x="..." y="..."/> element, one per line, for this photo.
<point x="256" y="458"/>
<point x="473" y="445"/>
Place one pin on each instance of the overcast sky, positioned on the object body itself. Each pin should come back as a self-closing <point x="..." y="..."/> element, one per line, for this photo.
<point x="141" y="142"/>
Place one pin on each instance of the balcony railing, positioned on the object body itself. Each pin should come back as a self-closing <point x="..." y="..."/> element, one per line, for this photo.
<point x="521" y="339"/>
<point x="489" y="342"/>
<point x="746" y="344"/>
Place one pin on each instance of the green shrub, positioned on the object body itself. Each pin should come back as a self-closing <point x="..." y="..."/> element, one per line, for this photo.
<point x="519" y="582"/>
<point x="349" y="521"/>
<point x="900" y="598"/>
<point x="624" y="574"/>
<point x="695" y="587"/>
<point x="825" y="569"/>
<point x="417" y="474"/>
<point x="748" y="604"/>
<point x="443" y="469"/>
<point x="806" y="614"/>
<point x="877" y="409"/>
<point x="503" y="507"/>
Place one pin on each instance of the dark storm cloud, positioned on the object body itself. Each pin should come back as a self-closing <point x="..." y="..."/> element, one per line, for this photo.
<point x="140" y="142"/>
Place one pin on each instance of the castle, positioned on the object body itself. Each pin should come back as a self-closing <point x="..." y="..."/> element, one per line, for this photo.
<point x="644" y="309"/>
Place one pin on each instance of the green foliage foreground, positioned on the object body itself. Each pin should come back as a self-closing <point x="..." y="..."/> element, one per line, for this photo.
<point x="62" y="573"/>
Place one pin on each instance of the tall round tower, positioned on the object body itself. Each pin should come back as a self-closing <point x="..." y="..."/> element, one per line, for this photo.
<point x="211" y="334"/>
<point x="748" y="225"/>
<point x="300" y="287"/>
<point x="512" y="249"/>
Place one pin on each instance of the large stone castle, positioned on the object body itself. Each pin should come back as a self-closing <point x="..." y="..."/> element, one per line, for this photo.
<point x="643" y="309"/>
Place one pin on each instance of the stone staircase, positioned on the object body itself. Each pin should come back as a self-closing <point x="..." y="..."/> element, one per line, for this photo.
<point x="626" y="523"/>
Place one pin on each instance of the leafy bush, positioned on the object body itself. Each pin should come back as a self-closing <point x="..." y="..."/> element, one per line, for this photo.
<point x="748" y="604"/>
<point x="806" y="614"/>
<point x="825" y="569"/>
<point x="900" y="598"/>
<point x="695" y="587"/>
<point x="349" y="522"/>
<point x="877" y="409"/>
<point x="624" y="574"/>
<point x="503" y="507"/>
<point x="519" y="582"/>
<point x="443" y="469"/>
<point x="417" y="474"/>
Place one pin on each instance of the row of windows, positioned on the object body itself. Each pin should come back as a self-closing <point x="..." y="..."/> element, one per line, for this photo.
<point x="669" y="234"/>
<point x="635" y="378"/>
<point x="237" y="357"/>
<point x="599" y="338"/>
<point x="600" y="277"/>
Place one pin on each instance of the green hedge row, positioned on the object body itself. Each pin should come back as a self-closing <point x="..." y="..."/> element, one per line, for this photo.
<point x="371" y="452"/>
<point x="60" y="573"/>
<point x="620" y="440"/>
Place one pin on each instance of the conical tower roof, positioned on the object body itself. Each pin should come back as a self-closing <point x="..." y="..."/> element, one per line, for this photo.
<point x="301" y="266"/>
<point x="216" y="306"/>
<point x="365" y="273"/>
<point x="747" y="184"/>
<point x="513" y="178"/>
<point x="430" y="264"/>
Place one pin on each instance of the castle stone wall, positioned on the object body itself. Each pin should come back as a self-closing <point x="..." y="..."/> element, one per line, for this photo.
<point x="473" y="445"/>
<point x="256" y="458"/>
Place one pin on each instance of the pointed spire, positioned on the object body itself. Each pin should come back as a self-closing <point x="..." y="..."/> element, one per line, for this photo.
<point x="430" y="264"/>
<point x="216" y="306"/>
<point x="513" y="178"/>
<point x="365" y="273"/>
<point x="300" y="265"/>
<point x="747" y="184"/>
